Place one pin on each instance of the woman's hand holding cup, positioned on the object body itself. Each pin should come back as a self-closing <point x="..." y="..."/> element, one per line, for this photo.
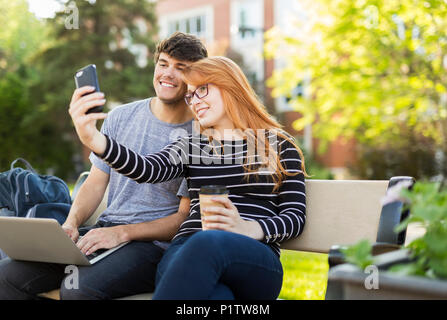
<point x="225" y="217"/>
<point x="219" y="213"/>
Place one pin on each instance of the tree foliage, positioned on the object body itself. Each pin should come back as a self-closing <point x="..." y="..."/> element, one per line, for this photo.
<point x="115" y="35"/>
<point x="377" y="69"/>
<point x="21" y="35"/>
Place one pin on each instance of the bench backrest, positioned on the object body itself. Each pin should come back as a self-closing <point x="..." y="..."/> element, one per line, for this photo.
<point x="339" y="212"/>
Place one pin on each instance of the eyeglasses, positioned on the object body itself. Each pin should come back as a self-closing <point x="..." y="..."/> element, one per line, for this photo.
<point x="201" y="92"/>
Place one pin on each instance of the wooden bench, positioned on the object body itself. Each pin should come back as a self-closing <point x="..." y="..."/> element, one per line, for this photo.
<point x="339" y="212"/>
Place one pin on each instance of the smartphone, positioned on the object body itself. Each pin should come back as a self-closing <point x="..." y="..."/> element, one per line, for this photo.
<point x="87" y="77"/>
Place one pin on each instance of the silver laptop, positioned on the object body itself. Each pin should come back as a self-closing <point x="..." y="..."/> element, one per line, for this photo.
<point x="43" y="240"/>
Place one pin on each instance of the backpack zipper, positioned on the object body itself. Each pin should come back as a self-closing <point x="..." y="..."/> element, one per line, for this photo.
<point x="16" y="196"/>
<point x="12" y="193"/>
<point x="27" y="187"/>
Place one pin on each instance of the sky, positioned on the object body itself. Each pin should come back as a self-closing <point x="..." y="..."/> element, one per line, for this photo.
<point x="43" y="8"/>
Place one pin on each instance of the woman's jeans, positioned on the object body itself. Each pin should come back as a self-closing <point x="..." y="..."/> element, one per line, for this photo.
<point x="219" y="265"/>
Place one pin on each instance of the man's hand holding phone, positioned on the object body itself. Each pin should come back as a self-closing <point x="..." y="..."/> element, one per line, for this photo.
<point x="84" y="99"/>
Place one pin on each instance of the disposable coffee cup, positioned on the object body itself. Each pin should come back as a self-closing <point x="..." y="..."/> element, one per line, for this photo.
<point x="205" y="196"/>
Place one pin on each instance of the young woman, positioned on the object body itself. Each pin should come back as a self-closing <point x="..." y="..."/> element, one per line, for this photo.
<point x="241" y="147"/>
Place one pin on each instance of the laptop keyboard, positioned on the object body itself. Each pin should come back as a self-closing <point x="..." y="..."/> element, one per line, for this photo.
<point x="96" y="253"/>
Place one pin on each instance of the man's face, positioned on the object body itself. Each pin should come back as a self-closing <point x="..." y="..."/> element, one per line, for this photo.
<point x="169" y="87"/>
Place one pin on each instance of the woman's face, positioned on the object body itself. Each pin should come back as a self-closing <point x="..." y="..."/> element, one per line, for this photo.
<point x="207" y="104"/>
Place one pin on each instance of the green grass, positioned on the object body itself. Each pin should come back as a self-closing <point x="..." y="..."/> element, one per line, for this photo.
<point x="305" y="275"/>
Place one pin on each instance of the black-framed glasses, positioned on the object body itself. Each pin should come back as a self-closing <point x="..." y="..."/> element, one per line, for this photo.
<point x="200" y="92"/>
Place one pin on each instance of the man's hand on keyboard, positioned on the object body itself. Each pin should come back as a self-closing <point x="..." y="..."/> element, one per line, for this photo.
<point x="99" y="238"/>
<point x="71" y="231"/>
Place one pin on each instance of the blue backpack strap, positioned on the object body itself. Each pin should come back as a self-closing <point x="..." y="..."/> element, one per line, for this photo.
<point x="27" y="164"/>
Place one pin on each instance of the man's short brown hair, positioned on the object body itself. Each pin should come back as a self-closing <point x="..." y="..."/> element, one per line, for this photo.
<point x="182" y="46"/>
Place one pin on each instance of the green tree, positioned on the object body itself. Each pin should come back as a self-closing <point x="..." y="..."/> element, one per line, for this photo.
<point x="21" y="35"/>
<point x="377" y="70"/>
<point x="115" y="35"/>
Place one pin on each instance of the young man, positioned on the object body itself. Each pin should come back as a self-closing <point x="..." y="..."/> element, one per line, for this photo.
<point x="147" y="214"/>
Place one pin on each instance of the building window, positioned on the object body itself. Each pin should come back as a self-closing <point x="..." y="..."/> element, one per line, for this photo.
<point x="244" y="29"/>
<point x="194" y="25"/>
<point x="248" y="19"/>
<point x="199" y="24"/>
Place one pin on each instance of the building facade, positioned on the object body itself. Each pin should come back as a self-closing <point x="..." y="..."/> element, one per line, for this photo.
<point x="235" y="28"/>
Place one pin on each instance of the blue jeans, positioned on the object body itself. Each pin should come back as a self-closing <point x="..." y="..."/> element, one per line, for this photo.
<point x="128" y="271"/>
<point x="218" y="265"/>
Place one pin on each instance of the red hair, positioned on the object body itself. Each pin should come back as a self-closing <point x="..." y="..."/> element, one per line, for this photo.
<point x="242" y="106"/>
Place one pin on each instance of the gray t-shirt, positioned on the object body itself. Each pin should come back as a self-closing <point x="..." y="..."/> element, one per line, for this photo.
<point x="135" y="126"/>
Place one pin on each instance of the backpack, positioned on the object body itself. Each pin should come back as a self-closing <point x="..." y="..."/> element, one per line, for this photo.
<point x="21" y="190"/>
<point x="25" y="193"/>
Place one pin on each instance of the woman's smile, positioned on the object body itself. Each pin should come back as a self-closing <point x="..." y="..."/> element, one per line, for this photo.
<point x="201" y="111"/>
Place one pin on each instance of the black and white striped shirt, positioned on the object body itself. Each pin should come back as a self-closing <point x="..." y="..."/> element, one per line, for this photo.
<point x="280" y="214"/>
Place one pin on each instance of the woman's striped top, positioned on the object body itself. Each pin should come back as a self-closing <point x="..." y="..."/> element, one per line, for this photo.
<point x="281" y="214"/>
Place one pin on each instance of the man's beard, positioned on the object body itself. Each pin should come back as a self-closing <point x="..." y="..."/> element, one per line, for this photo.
<point x="172" y="102"/>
